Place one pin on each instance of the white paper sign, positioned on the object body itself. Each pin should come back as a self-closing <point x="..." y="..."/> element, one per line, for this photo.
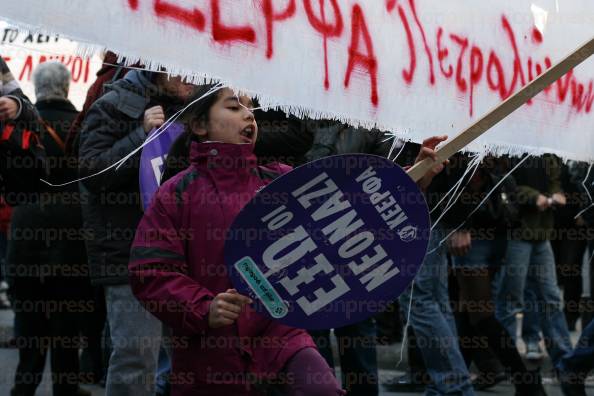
<point x="23" y="52"/>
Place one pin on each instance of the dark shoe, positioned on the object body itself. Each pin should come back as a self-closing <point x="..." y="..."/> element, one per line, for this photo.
<point x="406" y="383"/>
<point x="529" y="384"/>
<point x="535" y="392"/>
<point x="573" y="389"/>
<point x="526" y="382"/>
<point x="488" y="380"/>
<point x="82" y="392"/>
<point x="15" y="392"/>
<point x="572" y="385"/>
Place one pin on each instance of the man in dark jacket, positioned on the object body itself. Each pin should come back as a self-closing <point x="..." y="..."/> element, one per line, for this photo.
<point x="571" y="243"/>
<point x="115" y="125"/>
<point x="46" y="254"/>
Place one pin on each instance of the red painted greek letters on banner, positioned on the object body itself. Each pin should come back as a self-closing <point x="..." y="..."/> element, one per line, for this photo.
<point x="133" y="4"/>
<point x="271" y="17"/>
<point x="193" y="18"/>
<point x="448" y="55"/>
<point x="366" y="59"/>
<point x="224" y="33"/>
<point x="328" y="30"/>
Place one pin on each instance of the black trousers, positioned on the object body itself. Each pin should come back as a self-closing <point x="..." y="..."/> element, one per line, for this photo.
<point x="568" y="259"/>
<point x="46" y="320"/>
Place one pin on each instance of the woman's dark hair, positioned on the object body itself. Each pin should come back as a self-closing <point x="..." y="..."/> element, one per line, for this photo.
<point x="178" y="157"/>
<point x="200" y="109"/>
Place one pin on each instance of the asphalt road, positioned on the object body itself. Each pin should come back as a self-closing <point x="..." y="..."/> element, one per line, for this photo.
<point x="387" y="357"/>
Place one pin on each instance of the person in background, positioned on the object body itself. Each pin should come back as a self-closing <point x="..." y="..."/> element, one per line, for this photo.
<point x="47" y="262"/>
<point x="93" y="361"/>
<point x="116" y="124"/>
<point x="585" y="219"/>
<point x="478" y="252"/>
<point x="527" y="282"/>
<point x="571" y="242"/>
<point x="431" y="315"/>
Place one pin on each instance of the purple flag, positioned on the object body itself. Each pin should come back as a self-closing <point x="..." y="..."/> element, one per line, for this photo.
<point x="152" y="160"/>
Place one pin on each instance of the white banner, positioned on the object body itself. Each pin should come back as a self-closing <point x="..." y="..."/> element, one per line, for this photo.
<point x="23" y="52"/>
<point x="415" y="67"/>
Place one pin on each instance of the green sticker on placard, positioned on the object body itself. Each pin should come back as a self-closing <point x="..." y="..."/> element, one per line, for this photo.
<point x="256" y="280"/>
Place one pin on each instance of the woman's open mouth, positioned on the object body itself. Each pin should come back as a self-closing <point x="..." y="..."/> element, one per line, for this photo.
<point x="247" y="134"/>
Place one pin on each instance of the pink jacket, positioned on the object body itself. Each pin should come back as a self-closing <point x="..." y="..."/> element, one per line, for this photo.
<point x="177" y="267"/>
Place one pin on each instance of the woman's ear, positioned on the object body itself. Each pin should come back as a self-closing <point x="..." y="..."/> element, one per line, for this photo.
<point x="198" y="128"/>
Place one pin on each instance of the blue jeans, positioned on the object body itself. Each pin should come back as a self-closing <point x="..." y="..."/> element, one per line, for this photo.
<point x="531" y="321"/>
<point x="580" y="361"/>
<point x="433" y="323"/>
<point x="531" y="266"/>
<point x="135" y="340"/>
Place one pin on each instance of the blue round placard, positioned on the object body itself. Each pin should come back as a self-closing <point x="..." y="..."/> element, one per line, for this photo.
<point x="330" y="243"/>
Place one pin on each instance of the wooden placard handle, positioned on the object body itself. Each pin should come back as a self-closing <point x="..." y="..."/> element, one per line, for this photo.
<point x="504" y="109"/>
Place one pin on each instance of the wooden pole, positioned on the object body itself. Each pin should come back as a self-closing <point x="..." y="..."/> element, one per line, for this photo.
<point x="504" y="109"/>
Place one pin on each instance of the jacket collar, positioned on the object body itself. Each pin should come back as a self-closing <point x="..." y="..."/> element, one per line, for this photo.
<point x="223" y="156"/>
<point x="55" y="104"/>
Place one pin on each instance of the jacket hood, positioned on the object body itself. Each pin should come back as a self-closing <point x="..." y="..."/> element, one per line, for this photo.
<point x="140" y="79"/>
<point x="143" y="81"/>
